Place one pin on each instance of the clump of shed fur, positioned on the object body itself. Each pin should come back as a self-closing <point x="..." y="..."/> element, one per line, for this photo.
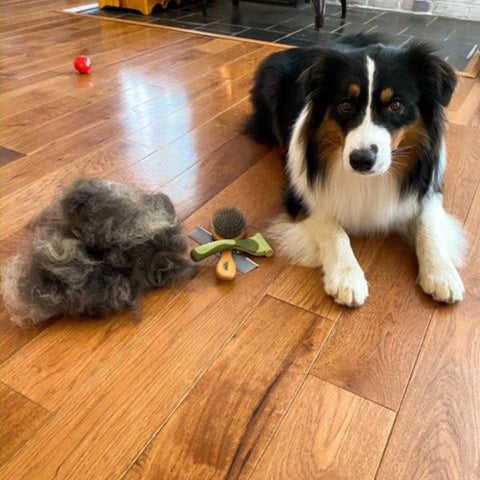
<point x="95" y="251"/>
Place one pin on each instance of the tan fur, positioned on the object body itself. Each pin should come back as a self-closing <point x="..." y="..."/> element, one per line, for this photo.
<point x="330" y="138"/>
<point x="354" y="90"/>
<point x="405" y="146"/>
<point x="386" y="95"/>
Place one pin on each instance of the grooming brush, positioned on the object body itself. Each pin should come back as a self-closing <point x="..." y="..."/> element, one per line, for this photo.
<point x="256" y="246"/>
<point x="228" y="224"/>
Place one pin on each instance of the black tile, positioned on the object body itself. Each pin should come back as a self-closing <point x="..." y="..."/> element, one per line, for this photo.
<point x="138" y="17"/>
<point x="264" y="35"/>
<point x="352" y="28"/>
<point x="197" y="18"/>
<point x="397" y="40"/>
<point x="454" y="48"/>
<point x="458" y="62"/>
<point x="177" y="23"/>
<point x="464" y="26"/>
<point x="316" y="36"/>
<point x="292" y="24"/>
<point x="283" y="23"/>
<point x="363" y="15"/>
<point x="464" y="31"/>
<point x="223" y="28"/>
<point x="106" y="12"/>
<point x="392" y="22"/>
<point x="296" y="41"/>
<point x="429" y="32"/>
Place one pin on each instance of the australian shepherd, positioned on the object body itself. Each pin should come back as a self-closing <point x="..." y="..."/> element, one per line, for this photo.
<point x="362" y="125"/>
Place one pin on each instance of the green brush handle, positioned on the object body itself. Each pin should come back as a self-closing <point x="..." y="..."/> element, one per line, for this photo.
<point x="256" y="245"/>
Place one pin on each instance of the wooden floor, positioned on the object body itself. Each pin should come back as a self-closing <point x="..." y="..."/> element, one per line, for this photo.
<point x="262" y="379"/>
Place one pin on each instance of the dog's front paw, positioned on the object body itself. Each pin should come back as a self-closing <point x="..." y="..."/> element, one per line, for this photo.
<point x="442" y="283"/>
<point x="347" y="286"/>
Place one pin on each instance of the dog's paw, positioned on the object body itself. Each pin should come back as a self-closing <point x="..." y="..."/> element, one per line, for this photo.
<point x="347" y="286"/>
<point x="443" y="284"/>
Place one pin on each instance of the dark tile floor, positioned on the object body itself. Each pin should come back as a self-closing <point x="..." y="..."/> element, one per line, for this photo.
<point x="456" y="40"/>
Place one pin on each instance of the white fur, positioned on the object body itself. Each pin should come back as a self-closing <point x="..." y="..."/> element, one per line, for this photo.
<point x="368" y="134"/>
<point x="321" y="242"/>
<point x="366" y="204"/>
<point x="440" y="244"/>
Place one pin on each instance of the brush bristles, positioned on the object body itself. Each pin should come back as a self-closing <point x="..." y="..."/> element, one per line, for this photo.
<point x="229" y="222"/>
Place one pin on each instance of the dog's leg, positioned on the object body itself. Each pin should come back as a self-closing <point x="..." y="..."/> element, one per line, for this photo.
<point x="315" y="242"/>
<point x="439" y="243"/>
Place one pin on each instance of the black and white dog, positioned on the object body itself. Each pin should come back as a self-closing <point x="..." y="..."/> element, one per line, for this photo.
<point x="362" y="124"/>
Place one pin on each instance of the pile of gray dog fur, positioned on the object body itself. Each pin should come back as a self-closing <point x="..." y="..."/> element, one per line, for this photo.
<point x="94" y="251"/>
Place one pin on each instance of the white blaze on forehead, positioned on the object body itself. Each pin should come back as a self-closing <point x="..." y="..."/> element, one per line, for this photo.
<point x="368" y="133"/>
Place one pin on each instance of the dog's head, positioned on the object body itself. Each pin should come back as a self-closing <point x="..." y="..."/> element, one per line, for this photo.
<point x="372" y="106"/>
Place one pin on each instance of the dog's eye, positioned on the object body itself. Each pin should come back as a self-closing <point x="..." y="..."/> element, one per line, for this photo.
<point x="395" y="106"/>
<point x="345" y="109"/>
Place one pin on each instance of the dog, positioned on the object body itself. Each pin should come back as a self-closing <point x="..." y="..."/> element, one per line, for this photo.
<point x="362" y="126"/>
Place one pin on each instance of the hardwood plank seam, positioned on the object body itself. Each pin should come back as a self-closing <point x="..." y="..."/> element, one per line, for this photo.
<point x="268" y="294"/>
<point x="95" y="43"/>
<point x="318" y="377"/>
<point x="25" y="396"/>
<point x="405" y="392"/>
<point x="477" y="190"/>
<point x="126" y="110"/>
<point x="134" y="55"/>
<point x="16" y="351"/>
<point x="300" y="385"/>
<point x="280" y="46"/>
<point x="98" y="101"/>
<point x="194" y="383"/>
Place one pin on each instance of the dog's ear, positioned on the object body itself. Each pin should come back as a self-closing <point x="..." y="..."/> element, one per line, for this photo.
<point x="318" y="77"/>
<point x="437" y="78"/>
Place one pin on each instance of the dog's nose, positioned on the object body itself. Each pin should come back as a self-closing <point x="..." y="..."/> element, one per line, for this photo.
<point x="363" y="159"/>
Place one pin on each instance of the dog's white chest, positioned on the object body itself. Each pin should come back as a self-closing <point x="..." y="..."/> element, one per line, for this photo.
<point x="363" y="204"/>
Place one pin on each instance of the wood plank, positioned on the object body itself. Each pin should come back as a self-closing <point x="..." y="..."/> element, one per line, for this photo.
<point x="100" y="110"/>
<point x="79" y="353"/>
<point x="7" y="155"/>
<point x="72" y="111"/>
<point x="127" y="44"/>
<point x="373" y="349"/>
<point x="303" y="287"/>
<point x="122" y="161"/>
<point x="443" y="398"/>
<point x="461" y="92"/>
<point x="190" y="191"/>
<point x="20" y="418"/>
<point x="13" y="338"/>
<point x="328" y="433"/>
<point x="136" y="119"/>
<point x="469" y="113"/>
<point x="254" y="379"/>
<point x="463" y="171"/>
<point x="155" y="370"/>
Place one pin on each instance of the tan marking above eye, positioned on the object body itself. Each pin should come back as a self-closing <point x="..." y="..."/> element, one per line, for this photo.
<point x="354" y="90"/>
<point x="386" y="95"/>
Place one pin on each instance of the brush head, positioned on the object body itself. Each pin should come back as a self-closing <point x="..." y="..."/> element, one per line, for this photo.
<point x="229" y="222"/>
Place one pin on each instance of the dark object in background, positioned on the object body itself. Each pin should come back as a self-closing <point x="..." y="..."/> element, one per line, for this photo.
<point x="318" y="6"/>
<point x="95" y="251"/>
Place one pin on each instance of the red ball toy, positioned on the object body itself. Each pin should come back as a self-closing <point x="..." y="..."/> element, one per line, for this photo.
<point x="82" y="64"/>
